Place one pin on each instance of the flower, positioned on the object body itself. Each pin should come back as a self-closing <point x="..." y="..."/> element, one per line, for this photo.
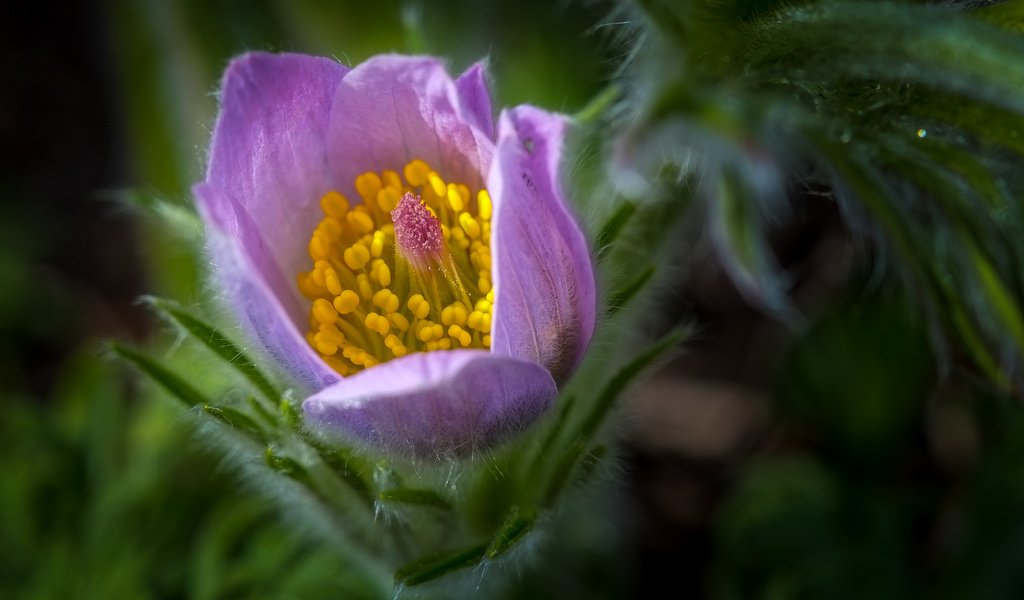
<point x="415" y="271"/>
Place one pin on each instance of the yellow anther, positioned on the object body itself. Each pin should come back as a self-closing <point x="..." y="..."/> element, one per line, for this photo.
<point x="319" y="246"/>
<point x="482" y="305"/>
<point x="388" y="197"/>
<point x="479" y="321"/>
<point x="324" y="311"/>
<point x="356" y="256"/>
<point x="454" y="313"/>
<point x="332" y="282"/>
<point x="455" y="198"/>
<point x="418" y="306"/>
<point x="484" y="285"/>
<point x="386" y="300"/>
<point x="416" y="172"/>
<point x="444" y="344"/>
<point x="461" y="335"/>
<point x="332" y="227"/>
<point x="324" y="345"/>
<point x="368" y="184"/>
<point x="428" y="330"/>
<point x="365" y="289"/>
<point x="334" y="205"/>
<point x="375" y="322"/>
<point x="377" y="245"/>
<point x="382" y="272"/>
<point x="469" y="225"/>
<point x="308" y="287"/>
<point x="399" y="321"/>
<point x="490" y="297"/>
<point x="395" y="345"/>
<point x="391" y="179"/>
<point x="338" y="365"/>
<point x="347" y="302"/>
<point x="359" y="221"/>
<point x="486" y="341"/>
<point x="436" y="184"/>
<point x="330" y="332"/>
<point x="484" y="206"/>
<point x="446" y="232"/>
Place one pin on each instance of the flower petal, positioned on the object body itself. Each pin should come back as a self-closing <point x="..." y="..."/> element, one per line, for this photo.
<point x="268" y="156"/>
<point x="436" y="403"/>
<point x="475" y="99"/>
<point x="392" y="109"/>
<point x="545" y="301"/>
<point x="240" y="276"/>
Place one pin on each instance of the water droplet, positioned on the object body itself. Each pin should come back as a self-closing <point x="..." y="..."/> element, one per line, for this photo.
<point x="921" y="133"/>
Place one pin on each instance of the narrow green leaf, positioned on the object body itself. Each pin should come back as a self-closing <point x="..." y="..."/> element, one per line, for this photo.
<point x="559" y="478"/>
<point x="999" y="297"/>
<point x="216" y="342"/>
<point x="175" y="217"/>
<point x="285" y="465"/>
<point x="517" y="524"/>
<point x="290" y="413"/>
<point x="599" y="105"/>
<point x="433" y="567"/>
<point x="167" y="379"/>
<point x="621" y="297"/>
<point x="552" y="434"/>
<point x="613" y="227"/>
<point x="622" y="378"/>
<point x="421" y="497"/>
<point x="234" y="418"/>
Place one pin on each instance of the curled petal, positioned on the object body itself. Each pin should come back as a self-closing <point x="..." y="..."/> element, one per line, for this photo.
<point x="257" y="307"/>
<point x="391" y="109"/>
<point x="475" y="99"/>
<point x="546" y="302"/>
<point x="437" y="403"/>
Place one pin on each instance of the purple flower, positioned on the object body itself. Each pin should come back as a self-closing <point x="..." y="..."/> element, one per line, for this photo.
<point x="416" y="272"/>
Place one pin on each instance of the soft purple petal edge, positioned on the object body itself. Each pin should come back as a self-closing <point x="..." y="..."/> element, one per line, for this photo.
<point x="436" y="403"/>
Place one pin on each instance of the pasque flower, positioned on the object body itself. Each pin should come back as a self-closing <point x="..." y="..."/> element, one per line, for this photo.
<point x="413" y="270"/>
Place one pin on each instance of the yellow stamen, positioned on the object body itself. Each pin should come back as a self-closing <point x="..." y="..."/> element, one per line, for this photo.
<point x="371" y="301"/>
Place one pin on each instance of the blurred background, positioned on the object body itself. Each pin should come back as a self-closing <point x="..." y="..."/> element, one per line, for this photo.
<point x="841" y="459"/>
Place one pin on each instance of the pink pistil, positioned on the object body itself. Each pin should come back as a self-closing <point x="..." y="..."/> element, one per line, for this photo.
<point x="417" y="232"/>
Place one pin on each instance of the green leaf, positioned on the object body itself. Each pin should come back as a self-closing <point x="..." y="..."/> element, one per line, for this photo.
<point x="517" y="524"/>
<point x="167" y="379"/>
<point x="621" y="297"/>
<point x="999" y="297"/>
<point x="622" y="378"/>
<point x="235" y="418"/>
<point x="433" y="567"/>
<point x="613" y="227"/>
<point x="598" y="105"/>
<point x="213" y="339"/>
<point x="420" y="497"/>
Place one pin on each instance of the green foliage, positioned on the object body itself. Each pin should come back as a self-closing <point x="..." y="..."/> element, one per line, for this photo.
<point x="910" y="113"/>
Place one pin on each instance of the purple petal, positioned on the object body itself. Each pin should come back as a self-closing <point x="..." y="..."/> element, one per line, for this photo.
<point x="475" y="99"/>
<point x="249" y="295"/>
<point x="545" y="301"/>
<point x="268" y="170"/>
<point x="269" y="159"/>
<point x="392" y="109"/>
<point x="436" y="403"/>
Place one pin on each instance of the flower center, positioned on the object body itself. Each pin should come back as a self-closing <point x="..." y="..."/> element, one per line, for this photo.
<point x="407" y="270"/>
